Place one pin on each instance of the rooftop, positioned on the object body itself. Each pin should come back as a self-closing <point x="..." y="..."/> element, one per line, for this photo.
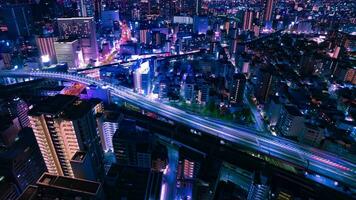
<point x="53" y="105"/>
<point x="69" y="184"/>
<point x="79" y="156"/>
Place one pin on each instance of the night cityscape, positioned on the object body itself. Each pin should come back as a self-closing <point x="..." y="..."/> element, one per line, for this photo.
<point x="177" y="99"/>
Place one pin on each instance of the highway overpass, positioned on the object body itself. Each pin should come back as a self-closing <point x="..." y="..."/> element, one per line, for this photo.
<point x="308" y="158"/>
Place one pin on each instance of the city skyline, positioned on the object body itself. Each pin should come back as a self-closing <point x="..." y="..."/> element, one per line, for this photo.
<point x="177" y="99"/>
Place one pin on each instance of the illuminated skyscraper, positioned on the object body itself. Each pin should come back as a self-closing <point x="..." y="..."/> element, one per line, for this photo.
<point x="110" y="125"/>
<point x="248" y="18"/>
<point x="141" y="78"/>
<point x="83" y="29"/>
<point x="64" y="125"/>
<point x="46" y="47"/>
<point x="268" y="10"/>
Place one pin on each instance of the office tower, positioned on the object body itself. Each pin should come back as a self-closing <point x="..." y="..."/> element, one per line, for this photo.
<point x="237" y="88"/>
<point x="64" y="125"/>
<point x="132" y="146"/>
<point x="142" y="78"/>
<point x="268" y="10"/>
<point x="51" y="186"/>
<point x="248" y="19"/>
<point x="18" y="19"/>
<point x="83" y="29"/>
<point x="46" y="47"/>
<point x="67" y="51"/>
<point x="290" y="122"/>
<point x="21" y="161"/>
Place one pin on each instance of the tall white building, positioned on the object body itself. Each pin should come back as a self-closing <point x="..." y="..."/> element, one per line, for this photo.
<point x="141" y="78"/>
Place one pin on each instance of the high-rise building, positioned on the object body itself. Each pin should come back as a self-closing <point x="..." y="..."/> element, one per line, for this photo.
<point x="83" y="29"/>
<point x="46" y="47"/>
<point x="268" y="10"/>
<point x="142" y="78"/>
<point x="21" y="162"/>
<point x="132" y="146"/>
<point x="67" y="51"/>
<point x="18" y="19"/>
<point x="64" y="125"/>
<point x="110" y="125"/>
<point x="51" y="186"/>
<point x="19" y="108"/>
<point x="248" y="19"/>
<point x="237" y="88"/>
